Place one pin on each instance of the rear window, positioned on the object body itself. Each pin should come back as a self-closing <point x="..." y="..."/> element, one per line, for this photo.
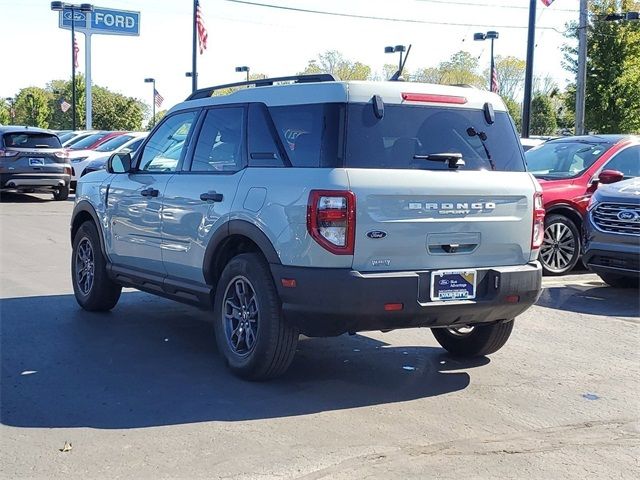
<point x="88" y="141"/>
<point x="557" y="160"/>
<point x="310" y="133"/>
<point x="31" y="140"/>
<point x="406" y="131"/>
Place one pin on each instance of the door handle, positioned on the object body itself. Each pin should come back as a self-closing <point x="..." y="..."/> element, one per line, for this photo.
<point x="211" y="197"/>
<point x="149" y="192"/>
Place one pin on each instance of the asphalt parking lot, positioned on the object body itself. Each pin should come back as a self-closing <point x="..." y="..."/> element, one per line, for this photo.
<point x="141" y="392"/>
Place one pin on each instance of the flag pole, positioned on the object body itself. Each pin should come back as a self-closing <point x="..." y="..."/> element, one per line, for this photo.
<point x="73" y="69"/>
<point x="528" y="76"/>
<point x="194" y="58"/>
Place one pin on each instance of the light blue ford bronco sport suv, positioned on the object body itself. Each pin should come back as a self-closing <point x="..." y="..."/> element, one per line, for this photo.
<point x="308" y="205"/>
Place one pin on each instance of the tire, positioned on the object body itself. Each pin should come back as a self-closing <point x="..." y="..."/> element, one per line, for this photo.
<point x="265" y="347"/>
<point x="560" y="250"/>
<point x="480" y="340"/>
<point x="61" y="194"/>
<point x="99" y="294"/>
<point x="619" y="281"/>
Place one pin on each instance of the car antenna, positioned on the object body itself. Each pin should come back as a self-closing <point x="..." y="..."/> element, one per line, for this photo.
<point x="396" y="76"/>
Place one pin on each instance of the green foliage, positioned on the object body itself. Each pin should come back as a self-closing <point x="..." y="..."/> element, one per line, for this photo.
<point x="32" y="107"/>
<point x="461" y="69"/>
<point x="334" y="62"/>
<point x="113" y="111"/>
<point x="612" y="102"/>
<point x="5" y="114"/>
<point x="510" y="72"/>
<point x="543" y="116"/>
<point x="515" y="110"/>
<point x="153" y="121"/>
<point x="61" y="90"/>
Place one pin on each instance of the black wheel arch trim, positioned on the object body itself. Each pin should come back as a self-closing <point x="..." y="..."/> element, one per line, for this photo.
<point x="553" y="209"/>
<point x="85" y="206"/>
<point x="237" y="227"/>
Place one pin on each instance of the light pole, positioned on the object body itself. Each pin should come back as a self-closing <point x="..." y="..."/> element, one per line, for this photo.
<point x="153" y="99"/>
<point x="86" y="8"/>
<point x="397" y="49"/>
<point x="490" y="35"/>
<point x="243" y="69"/>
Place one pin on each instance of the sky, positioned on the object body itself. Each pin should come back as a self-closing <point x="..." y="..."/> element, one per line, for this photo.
<point x="273" y="41"/>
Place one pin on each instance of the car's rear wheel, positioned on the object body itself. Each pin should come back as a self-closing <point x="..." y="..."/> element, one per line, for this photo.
<point x="61" y="193"/>
<point x="474" y="341"/>
<point x="619" y="281"/>
<point x="93" y="289"/>
<point x="251" y="332"/>
<point x="560" y="250"/>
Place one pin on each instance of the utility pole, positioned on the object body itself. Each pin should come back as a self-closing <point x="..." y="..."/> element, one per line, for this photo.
<point x="528" y="76"/>
<point x="581" y="80"/>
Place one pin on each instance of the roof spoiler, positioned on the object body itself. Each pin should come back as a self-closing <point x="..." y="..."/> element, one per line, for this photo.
<point x="264" y="82"/>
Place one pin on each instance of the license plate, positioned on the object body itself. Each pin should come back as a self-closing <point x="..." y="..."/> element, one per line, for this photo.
<point x="447" y="285"/>
<point x="36" y="161"/>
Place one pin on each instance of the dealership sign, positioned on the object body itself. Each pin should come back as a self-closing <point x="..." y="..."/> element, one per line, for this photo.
<point x="105" y="21"/>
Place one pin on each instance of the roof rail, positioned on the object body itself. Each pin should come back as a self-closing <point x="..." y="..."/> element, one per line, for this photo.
<point x="264" y="82"/>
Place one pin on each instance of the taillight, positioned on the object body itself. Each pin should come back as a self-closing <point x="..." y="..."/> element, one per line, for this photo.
<point x="331" y="220"/>
<point x="538" y="221"/>
<point x="8" y="153"/>
<point x="63" y="154"/>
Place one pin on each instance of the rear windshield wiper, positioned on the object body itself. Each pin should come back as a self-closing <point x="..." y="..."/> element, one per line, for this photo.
<point x="472" y="132"/>
<point x="453" y="158"/>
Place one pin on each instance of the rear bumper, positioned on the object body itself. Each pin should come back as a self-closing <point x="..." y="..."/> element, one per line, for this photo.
<point x="328" y="302"/>
<point x="18" y="181"/>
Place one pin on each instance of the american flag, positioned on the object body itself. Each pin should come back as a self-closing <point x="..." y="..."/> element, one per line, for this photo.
<point x="157" y="98"/>
<point x="202" y="32"/>
<point x="547" y="2"/>
<point x="76" y="49"/>
<point x="64" y="106"/>
<point x="495" y="86"/>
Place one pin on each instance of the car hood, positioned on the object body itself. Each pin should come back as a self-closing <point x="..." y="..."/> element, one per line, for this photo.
<point x="624" y="190"/>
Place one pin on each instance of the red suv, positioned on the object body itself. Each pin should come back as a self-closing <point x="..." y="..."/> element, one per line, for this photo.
<point x="569" y="170"/>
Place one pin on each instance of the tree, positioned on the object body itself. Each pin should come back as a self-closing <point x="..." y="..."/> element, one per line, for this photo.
<point x="612" y="102"/>
<point x="61" y="90"/>
<point x="153" y="121"/>
<point x="515" y="110"/>
<point x="510" y="71"/>
<point x="334" y="62"/>
<point x="543" y="116"/>
<point x="114" y="111"/>
<point x="32" y="107"/>
<point x="461" y="69"/>
<point x="427" y="75"/>
<point x="5" y="114"/>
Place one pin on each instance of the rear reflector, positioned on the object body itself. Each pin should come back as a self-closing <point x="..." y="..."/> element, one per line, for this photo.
<point x="393" y="307"/>
<point x="433" y="98"/>
<point x="512" y="299"/>
<point x="289" y="282"/>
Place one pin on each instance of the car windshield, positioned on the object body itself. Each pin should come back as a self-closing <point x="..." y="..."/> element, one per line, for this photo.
<point x="565" y="159"/>
<point x="114" y="143"/>
<point x="417" y="137"/>
<point x="31" y="140"/>
<point x="88" y="141"/>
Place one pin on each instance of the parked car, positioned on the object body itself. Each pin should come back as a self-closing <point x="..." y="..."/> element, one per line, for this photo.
<point x="76" y="136"/>
<point x="129" y="141"/>
<point x="569" y="171"/>
<point x="529" y="143"/>
<point x="33" y="160"/>
<point x="612" y="233"/>
<point x="320" y="207"/>
<point x="94" y="140"/>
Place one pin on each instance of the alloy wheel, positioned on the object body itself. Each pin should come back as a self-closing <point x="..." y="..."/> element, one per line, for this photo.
<point x="85" y="266"/>
<point x="240" y="315"/>
<point x="558" y="247"/>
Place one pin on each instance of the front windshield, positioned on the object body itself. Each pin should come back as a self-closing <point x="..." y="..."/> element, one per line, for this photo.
<point x="421" y="137"/>
<point x="88" y="141"/>
<point x="114" y="144"/>
<point x="565" y="159"/>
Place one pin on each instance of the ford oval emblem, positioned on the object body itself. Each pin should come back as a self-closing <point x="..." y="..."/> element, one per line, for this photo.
<point x="376" y="234"/>
<point x="629" y="215"/>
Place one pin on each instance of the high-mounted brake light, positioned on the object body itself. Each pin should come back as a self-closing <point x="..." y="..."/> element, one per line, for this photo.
<point x="331" y="220"/>
<point x="537" y="235"/>
<point x="433" y="98"/>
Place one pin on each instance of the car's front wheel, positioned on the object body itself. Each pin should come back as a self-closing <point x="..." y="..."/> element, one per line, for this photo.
<point x="474" y="341"/>
<point x="251" y="332"/>
<point x="93" y="289"/>
<point x="560" y="250"/>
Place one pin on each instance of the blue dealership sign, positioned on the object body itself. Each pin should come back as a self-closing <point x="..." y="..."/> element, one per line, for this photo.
<point x="105" y="21"/>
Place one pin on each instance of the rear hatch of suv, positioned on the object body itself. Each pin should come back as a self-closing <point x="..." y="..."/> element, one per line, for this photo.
<point x="419" y="207"/>
<point x="32" y="152"/>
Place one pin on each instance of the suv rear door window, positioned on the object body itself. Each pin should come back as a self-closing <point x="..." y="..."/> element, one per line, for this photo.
<point x="220" y="145"/>
<point x="310" y="133"/>
<point x="31" y="140"/>
<point x="264" y="150"/>
<point x="407" y="130"/>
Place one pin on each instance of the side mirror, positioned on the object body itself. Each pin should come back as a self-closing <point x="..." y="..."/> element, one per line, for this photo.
<point x="119" y="163"/>
<point x="610" y="176"/>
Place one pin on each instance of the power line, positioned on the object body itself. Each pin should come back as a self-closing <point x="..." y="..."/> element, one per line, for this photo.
<point x="494" y="5"/>
<point x="385" y="19"/>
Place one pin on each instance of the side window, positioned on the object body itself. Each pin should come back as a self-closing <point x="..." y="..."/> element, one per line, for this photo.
<point x="133" y="147"/>
<point x="220" y="143"/>
<point x="164" y="149"/>
<point x="263" y="149"/>
<point x="627" y="162"/>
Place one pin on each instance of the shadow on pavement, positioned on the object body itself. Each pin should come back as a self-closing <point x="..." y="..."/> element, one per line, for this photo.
<point x="153" y="362"/>
<point x="598" y="300"/>
<point x="14" y="197"/>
